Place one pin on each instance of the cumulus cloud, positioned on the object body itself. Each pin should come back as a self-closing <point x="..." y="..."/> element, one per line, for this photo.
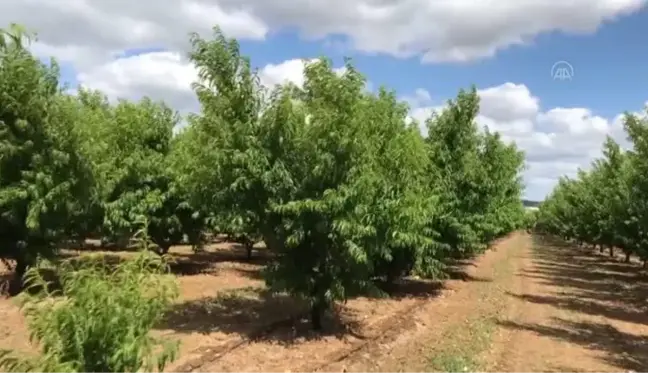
<point x="160" y="75"/>
<point x="557" y="141"/>
<point x="86" y="31"/>
<point x="288" y="71"/>
<point x="168" y="76"/>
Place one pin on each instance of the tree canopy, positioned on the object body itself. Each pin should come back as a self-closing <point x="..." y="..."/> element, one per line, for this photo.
<point x="605" y="206"/>
<point x="337" y="182"/>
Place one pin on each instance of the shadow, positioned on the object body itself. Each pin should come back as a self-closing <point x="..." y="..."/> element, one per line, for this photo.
<point x="604" y="291"/>
<point x="178" y="265"/>
<point x="235" y="253"/>
<point x="255" y="314"/>
<point x="638" y="316"/>
<point x="623" y="350"/>
<point x="462" y="275"/>
<point x="585" y="275"/>
<point x="588" y="283"/>
<point x="452" y="263"/>
<point x="259" y="314"/>
<point x="182" y="264"/>
<point x="409" y="288"/>
<point x="5" y="280"/>
<point x="254" y="274"/>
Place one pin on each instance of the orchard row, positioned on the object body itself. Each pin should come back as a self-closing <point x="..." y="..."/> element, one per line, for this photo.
<point x="337" y="182"/>
<point x="606" y="206"/>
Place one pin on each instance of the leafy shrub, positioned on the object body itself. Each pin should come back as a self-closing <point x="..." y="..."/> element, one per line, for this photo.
<point x="100" y="317"/>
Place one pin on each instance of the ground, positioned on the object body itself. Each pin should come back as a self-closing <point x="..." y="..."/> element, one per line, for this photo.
<point x="528" y="304"/>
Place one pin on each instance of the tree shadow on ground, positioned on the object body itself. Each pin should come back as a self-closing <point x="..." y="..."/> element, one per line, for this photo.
<point x="251" y="273"/>
<point x="182" y="264"/>
<point x="458" y="273"/>
<point x="590" y="283"/>
<point x="408" y="288"/>
<point x="255" y="314"/>
<point x="623" y="350"/>
<point x="259" y="314"/>
<point x="634" y="295"/>
<point x="587" y="283"/>
<point x="202" y="261"/>
<point x="615" y="312"/>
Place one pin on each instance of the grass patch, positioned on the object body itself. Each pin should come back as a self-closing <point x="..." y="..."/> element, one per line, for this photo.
<point x="463" y="344"/>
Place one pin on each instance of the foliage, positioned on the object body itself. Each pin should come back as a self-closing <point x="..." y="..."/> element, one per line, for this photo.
<point x="479" y="175"/>
<point x="606" y="205"/>
<point x="130" y="147"/>
<point x="100" y="318"/>
<point x="336" y="183"/>
<point x="44" y="182"/>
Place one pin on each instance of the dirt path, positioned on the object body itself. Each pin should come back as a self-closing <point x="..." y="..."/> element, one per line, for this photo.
<point x="572" y="310"/>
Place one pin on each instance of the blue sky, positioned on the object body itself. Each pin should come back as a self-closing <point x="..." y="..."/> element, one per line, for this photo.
<point x="611" y="69"/>
<point x="424" y="49"/>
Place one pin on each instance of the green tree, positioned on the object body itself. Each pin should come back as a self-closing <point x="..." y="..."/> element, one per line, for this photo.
<point x="45" y="182"/>
<point x="131" y="147"/>
<point x="329" y="176"/>
<point x="479" y="177"/>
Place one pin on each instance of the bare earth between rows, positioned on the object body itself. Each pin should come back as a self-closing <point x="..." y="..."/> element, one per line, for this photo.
<point x="226" y="322"/>
<point x="573" y="310"/>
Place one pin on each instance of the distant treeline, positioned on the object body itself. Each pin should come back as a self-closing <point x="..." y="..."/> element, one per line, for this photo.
<point x="528" y="203"/>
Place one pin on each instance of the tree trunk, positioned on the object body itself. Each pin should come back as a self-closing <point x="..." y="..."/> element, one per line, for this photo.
<point x="601" y="249"/>
<point x="17" y="283"/>
<point x="123" y="241"/>
<point x="273" y="243"/>
<point x="248" y="248"/>
<point x="316" y="316"/>
<point x="645" y="263"/>
<point x="163" y="248"/>
<point x="611" y="251"/>
<point x="390" y="278"/>
<point x="627" y="257"/>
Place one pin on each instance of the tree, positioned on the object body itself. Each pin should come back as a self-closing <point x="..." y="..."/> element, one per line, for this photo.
<point x="479" y="177"/>
<point x="130" y="145"/>
<point x="45" y="182"/>
<point x="329" y="176"/>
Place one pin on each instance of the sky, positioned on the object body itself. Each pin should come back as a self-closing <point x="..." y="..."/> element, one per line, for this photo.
<point x="554" y="77"/>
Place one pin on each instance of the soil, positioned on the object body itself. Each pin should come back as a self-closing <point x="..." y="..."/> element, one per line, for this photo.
<point x="576" y="310"/>
<point x="553" y="308"/>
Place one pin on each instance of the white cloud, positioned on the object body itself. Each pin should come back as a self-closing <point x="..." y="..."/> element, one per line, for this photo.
<point x="287" y="71"/>
<point x="168" y="76"/>
<point x="508" y="102"/>
<point x="87" y="32"/>
<point x="160" y="75"/>
<point x="557" y="141"/>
